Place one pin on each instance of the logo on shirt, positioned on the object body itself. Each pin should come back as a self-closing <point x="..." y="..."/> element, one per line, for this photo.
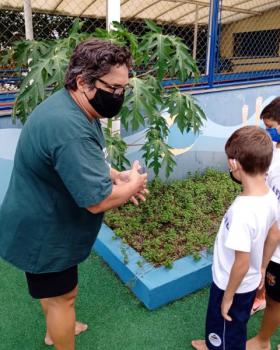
<point x="270" y="279"/>
<point x="214" y="339"/>
<point x="276" y="191"/>
<point x="226" y="220"/>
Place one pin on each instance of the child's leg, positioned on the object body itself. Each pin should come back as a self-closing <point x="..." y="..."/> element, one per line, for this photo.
<point x="259" y="303"/>
<point x="214" y="304"/>
<point x="270" y="322"/>
<point x="271" y="319"/>
<point x="235" y="334"/>
<point x="221" y="334"/>
<point x="214" y="327"/>
<point x="199" y="345"/>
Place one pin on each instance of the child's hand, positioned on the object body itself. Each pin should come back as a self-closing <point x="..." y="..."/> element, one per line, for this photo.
<point x="225" y="307"/>
<point x="261" y="285"/>
<point x="261" y="288"/>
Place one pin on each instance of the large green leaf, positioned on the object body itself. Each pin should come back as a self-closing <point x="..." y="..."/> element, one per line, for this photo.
<point x="31" y="50"/>
<point x="156" y="48"/>
<point x="59" y="63"/>
<point x="182" y="65"/>
<point x="120" y="35"/>
<point x="48" y="70"/>
<point x="76" y="27"/>
<point x="156" y="152"/>
<point x="116" y="149"/>
<point x="188" y="115"/>
<point x="152" y="26"/>
<point x="139" y="105"/>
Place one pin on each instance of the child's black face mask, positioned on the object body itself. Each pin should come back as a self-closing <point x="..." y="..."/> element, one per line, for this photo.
<point x="234" y="179"/>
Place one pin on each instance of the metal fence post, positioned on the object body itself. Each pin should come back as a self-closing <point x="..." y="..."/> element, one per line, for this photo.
<point x="113" y="12"/>
<point x="28" y="19"/>
<point x="212" y="41"/>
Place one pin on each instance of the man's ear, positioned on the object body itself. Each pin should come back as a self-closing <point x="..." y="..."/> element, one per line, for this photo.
<point x="80" y="84"/>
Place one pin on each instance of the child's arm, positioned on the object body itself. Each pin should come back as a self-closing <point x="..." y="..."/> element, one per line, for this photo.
<point x="272" y="240"/>
<point x="238" y="272"/>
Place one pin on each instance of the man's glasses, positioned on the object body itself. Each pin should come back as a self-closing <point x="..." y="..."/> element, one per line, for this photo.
<point x="117" y="90"/>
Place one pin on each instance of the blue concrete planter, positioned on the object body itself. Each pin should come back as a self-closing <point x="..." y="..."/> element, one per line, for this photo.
<point x="155" y="287"/>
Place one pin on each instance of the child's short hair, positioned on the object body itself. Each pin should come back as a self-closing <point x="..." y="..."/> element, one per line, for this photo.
<point x="252" y="147"/>
<point x="272" y="110"/>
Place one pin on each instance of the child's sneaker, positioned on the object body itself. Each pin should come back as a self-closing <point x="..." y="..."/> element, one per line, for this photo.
<point x="259" y="304"/>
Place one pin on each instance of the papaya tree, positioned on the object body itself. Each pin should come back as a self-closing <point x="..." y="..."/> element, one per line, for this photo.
<point x="156" y="56"/>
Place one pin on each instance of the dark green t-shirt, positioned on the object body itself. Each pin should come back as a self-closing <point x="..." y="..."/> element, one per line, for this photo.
<point x="59" y="170"/>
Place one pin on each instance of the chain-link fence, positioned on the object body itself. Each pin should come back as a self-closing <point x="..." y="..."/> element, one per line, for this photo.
<point x="249" y="39"/>
<point x="232" y="40"/>
<point x="46" y="25"/>
<point x="184" y="19"/>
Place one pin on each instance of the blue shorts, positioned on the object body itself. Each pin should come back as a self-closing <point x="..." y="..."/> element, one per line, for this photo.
<point x="224" y="335"/>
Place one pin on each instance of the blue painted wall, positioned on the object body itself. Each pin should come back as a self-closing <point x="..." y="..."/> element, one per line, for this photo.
<point x="7" y="122"/>
<point x="226" y="111"/>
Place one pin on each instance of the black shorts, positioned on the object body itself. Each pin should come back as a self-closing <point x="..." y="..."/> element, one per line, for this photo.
<point x="53" y="284"/>
<point x="272" y="281"/>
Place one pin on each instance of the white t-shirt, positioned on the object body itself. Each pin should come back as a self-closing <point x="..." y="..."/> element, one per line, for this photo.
<point x="273" y="181"/>
<point x="244" y="228"/>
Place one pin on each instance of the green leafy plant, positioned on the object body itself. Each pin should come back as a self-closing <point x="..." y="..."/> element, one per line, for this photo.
<point x="156" y="56"/>
<point x="180" y="218"/>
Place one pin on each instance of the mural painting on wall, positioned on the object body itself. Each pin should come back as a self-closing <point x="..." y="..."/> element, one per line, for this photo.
<point x="226" y="111"/>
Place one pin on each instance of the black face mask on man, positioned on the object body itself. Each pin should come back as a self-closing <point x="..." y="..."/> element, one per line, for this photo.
<point x="106" y="103"/>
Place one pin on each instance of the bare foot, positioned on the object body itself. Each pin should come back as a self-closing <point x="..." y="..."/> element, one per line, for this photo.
<point x="199" y="345"/>
<point x="256" y="344"/>
<point x="79" y="328"/>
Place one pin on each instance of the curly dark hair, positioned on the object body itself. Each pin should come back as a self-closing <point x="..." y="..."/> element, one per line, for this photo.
<point x="92" y="59"/>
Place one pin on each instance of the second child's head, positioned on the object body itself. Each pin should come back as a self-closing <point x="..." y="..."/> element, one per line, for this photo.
<point x="249" y="151"/>
<point x="271" y="118"/>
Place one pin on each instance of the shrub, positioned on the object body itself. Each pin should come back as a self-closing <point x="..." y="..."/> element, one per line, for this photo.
<point x="179" y="218"/>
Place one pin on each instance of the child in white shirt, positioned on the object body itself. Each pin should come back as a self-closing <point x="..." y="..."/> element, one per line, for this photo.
<point x="239" y="243"/>
<point x="271" y="118"/>
<point x="271" y="257"/>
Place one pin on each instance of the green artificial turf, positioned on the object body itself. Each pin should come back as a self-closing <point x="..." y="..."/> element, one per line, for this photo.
<point x="117" y="320"/>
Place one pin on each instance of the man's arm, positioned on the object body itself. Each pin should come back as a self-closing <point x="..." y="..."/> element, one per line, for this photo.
<point x="123" y="175"/>
<point x="119" y="177"/>
<point x="238" y="272"/>
<point x="114" y="174"/>
<point x="122" y="192"/>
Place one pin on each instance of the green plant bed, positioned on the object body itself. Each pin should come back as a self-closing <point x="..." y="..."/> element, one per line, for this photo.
<point x="179" y="218"/>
